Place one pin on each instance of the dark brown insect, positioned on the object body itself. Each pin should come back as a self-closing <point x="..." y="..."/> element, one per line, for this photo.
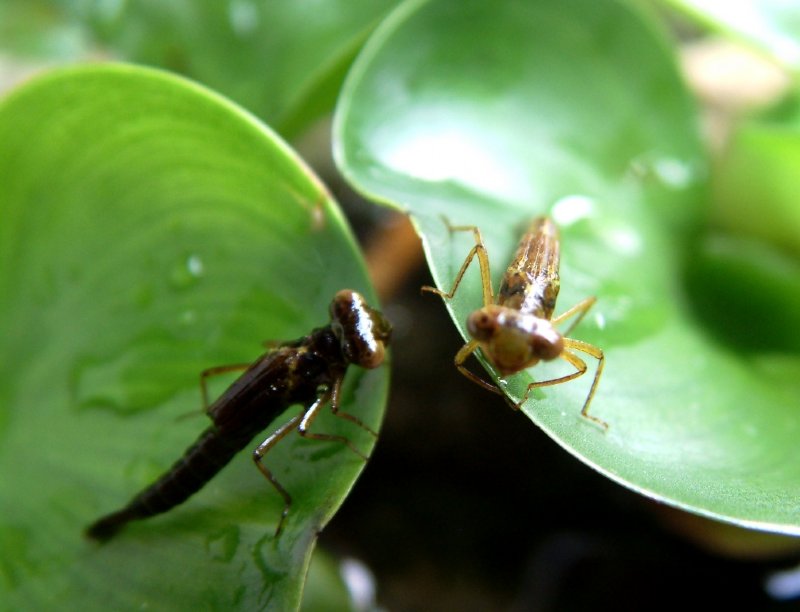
<point x="308" y="371"/>
<point x="517" y="330"/>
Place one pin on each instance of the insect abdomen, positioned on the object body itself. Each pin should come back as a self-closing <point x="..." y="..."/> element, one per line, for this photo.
<point x="201" y="461"/>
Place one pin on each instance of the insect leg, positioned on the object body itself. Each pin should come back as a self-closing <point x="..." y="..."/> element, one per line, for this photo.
<point x="308" y="419"/>
<point x="335" y="393"/>
<point x="581" y="308"/>
<point x="258" y="455"/>
<point x="478" y="250"/>
<point x="580" y="370"/>
<point x="576" y="361"/>
<point x="597" y="353"/>
<point x="461" y="356"/>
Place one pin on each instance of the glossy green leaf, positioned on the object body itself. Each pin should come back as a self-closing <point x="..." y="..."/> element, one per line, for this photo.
<point x="771" y="25"/>
<point x="721" y="266"/>
<point x="490" y="113"/>
<point x="284" y="61"/>
<point x="151" y="229"/>
<point x="756" y="185"/>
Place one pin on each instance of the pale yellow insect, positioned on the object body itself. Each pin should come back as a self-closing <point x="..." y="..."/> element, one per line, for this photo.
<point x="517" y="329"/>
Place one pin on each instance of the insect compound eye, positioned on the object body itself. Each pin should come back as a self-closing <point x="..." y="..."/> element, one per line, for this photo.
<point x="363" y="332"/>
<point x="546" y="342"/>
<point x="364" y="352"/>
<point x="481" y="325"/>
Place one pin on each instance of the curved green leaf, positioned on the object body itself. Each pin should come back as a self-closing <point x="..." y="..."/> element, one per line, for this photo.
<point x="281" y="60"/>
<point x="151" y="229"/>
<point x="760" y="165"/>
<point x="491" y="113"/>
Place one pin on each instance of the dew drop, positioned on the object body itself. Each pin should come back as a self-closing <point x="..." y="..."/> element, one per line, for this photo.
<point x="625" y="240"/>
<point x="243" y="16"/>
<point x="600" y="320"/>
<point x="195" y="266"/>
<point x="187" y="272"/>
<point x="572" y="208"/>
<point x="674" y="172"/>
